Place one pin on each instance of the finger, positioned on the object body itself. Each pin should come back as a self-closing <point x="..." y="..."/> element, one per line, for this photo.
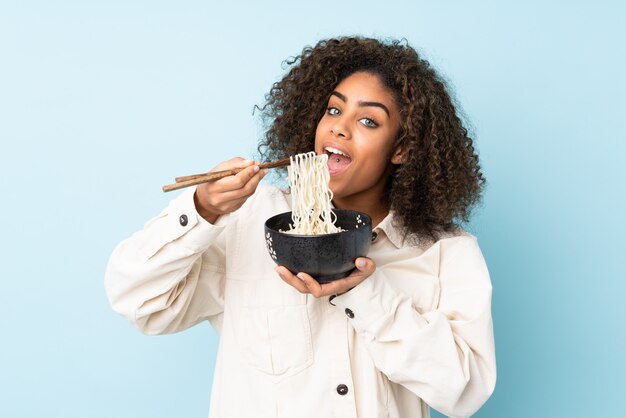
<point x="292" y="280"/>
<point x="311" y="284"/>
<point x="238" y="181"/>
<point x="251" y="186"/>
<point x="244" y="176"/>
<point x="245" y="192"/>
<point x="339" y="286"/>
<point x="365" y="265"/>
<point x="364" y="268"/>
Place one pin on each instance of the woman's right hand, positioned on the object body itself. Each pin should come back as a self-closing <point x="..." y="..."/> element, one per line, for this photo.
<point x="226" y="195"/>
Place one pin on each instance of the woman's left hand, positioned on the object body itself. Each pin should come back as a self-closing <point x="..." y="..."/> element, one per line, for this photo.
<point x="307" y="284"/>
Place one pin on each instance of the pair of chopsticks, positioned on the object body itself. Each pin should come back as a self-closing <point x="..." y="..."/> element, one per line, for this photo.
<point x="195" y="179"/>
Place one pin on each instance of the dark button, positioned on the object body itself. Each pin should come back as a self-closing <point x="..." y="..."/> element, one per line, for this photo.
<point x="330" y="299"/>
<point x="183" y="220"/>
<point x="374" y="235"/>
<point x="342" y="389"/>
<point x="349" y="313"/>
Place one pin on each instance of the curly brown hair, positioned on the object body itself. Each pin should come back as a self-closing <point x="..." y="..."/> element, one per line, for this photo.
<point x="439" y="180"/>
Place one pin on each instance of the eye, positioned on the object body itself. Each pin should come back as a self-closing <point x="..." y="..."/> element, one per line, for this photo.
<point x="332" y="111"/>
<point x="370" y="123"/>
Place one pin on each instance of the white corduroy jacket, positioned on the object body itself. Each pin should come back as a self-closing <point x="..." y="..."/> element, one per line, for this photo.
<point x="418" y="332"/>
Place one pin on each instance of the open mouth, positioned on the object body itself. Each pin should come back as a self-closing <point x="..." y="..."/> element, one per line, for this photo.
<point x="337" y="160"/>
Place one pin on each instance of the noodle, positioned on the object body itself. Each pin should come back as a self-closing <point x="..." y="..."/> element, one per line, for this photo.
<point x="311" y="213"/>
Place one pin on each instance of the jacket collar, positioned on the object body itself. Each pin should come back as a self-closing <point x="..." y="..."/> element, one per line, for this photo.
<point x="392" y="232"/>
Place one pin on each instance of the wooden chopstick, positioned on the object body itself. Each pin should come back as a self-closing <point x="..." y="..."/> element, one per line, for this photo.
<point x="195" y="179"/>
<point x="190" y="177"/>
<point x="225" y="173"/>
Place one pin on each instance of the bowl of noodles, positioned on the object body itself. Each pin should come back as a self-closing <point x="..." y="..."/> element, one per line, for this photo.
<point x="325" y="257"/>
<point x="313" y="237"/>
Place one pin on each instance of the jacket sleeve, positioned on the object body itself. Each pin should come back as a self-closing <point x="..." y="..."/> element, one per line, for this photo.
<point x="170" y="275"/>
<point x="445" y="356"/>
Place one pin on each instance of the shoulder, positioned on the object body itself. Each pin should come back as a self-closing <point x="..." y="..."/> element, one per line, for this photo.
<point x="456" y="244"/>
<point x="453" y="246"/>
<point x="458" y="237"/>
<point x="448" y="240"/>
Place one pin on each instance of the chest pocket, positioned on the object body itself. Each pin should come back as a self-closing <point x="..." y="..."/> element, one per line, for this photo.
<point x="272" y="328"/>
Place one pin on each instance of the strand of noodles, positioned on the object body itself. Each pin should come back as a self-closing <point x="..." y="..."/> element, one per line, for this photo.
<point x="311" y="213"/>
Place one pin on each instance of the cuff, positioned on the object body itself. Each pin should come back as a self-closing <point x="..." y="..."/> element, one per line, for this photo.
<point x="180" y="221"/>
<point x="371" y="305"/>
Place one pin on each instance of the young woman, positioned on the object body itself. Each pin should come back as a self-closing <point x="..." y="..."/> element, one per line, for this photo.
<point x="410" y="328"/>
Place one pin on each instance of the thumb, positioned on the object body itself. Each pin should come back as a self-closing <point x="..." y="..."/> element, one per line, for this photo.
<point x="241" y="163"/>
<point x="365" y="265"/>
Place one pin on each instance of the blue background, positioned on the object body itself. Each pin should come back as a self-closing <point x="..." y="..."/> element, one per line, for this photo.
<point x="101" y="103"/>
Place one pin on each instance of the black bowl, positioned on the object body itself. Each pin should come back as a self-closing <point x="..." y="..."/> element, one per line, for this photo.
<point x="325" y="257"/>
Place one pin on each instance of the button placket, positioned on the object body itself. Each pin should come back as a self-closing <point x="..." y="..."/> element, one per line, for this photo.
<point x="340" y="374"/>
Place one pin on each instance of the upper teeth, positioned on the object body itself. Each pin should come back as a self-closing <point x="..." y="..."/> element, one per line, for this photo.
<point x="335" y="151"/>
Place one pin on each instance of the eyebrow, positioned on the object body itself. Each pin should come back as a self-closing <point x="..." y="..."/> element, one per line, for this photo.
<point x="361" y="103"/>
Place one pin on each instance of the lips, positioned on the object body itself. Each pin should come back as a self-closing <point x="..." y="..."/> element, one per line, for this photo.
<point x="338" y="160"/>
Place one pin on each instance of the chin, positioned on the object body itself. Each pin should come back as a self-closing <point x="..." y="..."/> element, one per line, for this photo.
<point x="336" y="189"/>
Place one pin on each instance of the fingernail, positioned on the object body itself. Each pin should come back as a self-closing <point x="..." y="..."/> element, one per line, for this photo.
<point x="360" y="263"/>
<point x="300" y="276"/>
<point x="277" y="270"/>
<point x="256" y="168"/>
<point x="246" y="161"/>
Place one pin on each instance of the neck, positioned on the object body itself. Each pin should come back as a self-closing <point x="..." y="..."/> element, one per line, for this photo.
<point x="369" y="201"/>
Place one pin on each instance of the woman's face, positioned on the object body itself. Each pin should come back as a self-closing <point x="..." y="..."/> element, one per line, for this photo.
<point x="358" y="132"/>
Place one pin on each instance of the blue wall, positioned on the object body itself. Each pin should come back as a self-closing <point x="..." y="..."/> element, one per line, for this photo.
<point x="101" y="103"/>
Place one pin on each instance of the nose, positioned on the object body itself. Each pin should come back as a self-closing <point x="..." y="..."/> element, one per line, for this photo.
<point x="340" y="130"/>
